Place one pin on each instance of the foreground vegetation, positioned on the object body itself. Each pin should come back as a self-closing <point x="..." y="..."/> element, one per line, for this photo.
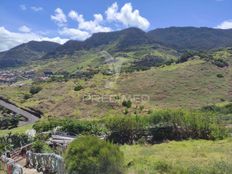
<point x="91" y="155"/>
<point x="185" y="157"/>
<point x="164" y="142"/>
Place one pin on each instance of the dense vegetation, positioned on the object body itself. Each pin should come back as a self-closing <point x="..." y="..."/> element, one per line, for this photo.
<point x="13" y="141"/>
<point x="159" y="126"/>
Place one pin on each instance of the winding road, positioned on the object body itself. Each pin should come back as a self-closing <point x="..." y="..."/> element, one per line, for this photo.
<point x="30" y="117"/>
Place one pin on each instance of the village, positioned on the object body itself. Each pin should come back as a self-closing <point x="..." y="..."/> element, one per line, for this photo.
<point x="12" y="76"/>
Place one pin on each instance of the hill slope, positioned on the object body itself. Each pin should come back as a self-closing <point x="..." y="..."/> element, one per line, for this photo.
<point x="192" y="84"/>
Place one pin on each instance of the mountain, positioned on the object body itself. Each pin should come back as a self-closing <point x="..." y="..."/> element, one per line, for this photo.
<point x="179" y="38"/>
<point x="117" y="40"/>
<point x="175" y="38"/>
<point x="23" y="53"/>
<point x="182" y="38"/>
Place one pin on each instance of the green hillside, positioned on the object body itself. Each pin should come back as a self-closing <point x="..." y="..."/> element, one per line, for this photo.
<point x="192" y="84"/>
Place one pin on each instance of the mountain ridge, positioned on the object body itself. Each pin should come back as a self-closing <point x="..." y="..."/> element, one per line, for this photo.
<point x="177" y="38"/>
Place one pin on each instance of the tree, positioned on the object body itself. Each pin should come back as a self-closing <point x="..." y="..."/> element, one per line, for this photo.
<point x="90" y="155"/>
<point x="35" y="89"/>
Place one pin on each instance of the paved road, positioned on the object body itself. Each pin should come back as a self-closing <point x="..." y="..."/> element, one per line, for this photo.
<point x="30" y="117"/>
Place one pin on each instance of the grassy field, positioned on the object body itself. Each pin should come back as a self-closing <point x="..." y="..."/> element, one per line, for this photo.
<point x="190" y="157"/>
<point x="18" y="130"/>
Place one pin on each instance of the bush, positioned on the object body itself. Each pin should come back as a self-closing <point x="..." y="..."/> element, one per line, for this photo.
<point x="9" y="122"/>
<point x="220" y="75"/>
<point x="27" y="96"/>
<point x="158" y="126"/>
<point x="44" y="125"/>
<point x="35" y="89"/>
<point x="71" y="126"/>
<point x="226" y="109"/>
<point x="83" y="127"/>
<point x="40" y="147"/>
<point x="13" y="141"/>
<point x="78" y="88"/>
<point x="220" y="63"/>
<point x="186" y="56"/>
<point x="126" y="129"/>
<point x="179" y="125"/>
<point x="90" y="155"/>
<point x="127" y="103"/>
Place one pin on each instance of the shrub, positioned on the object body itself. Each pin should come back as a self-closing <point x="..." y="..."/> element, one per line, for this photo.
<point x="90" y="155"/>
<point x="27" y="96"/>
<point x="78" y="88"/>
<point x="178" y="125"/>
<point x="35" y="89"/>
<point x="44" y="125"/>
<point x="83" y="127"/>
<point x="158" y="126"/>
<point x="186" y="56"/>
<point x="13" y="141"/>
<point x="127" y="103"/>
<point x="226" y="109"/>
<point x="9" y="122"/>
<point x="126" y="129"/>
<point x="71" y="126"/>
<point x="220" y="63"/>
<point x="220" y="75"/>
<point x="40" y="147"/>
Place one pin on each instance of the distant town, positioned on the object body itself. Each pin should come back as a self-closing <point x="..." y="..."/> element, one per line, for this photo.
<point x="13" y="76"/>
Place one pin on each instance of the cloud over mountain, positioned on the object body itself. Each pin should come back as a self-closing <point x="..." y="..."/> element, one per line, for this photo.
<point x="10" y="39"/>
<point x="225" y="24"/>
<point x="127" y="16"/>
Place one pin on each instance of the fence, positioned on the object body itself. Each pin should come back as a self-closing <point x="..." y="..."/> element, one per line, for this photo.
<point x="10" y="166"/>
<point x="48" y="163"/>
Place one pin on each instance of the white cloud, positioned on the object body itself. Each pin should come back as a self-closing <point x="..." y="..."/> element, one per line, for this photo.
<point x="59" y="17"/>
<point x="23" y="7"/>
<point x="10" y="39"/>
<point x="85" y="28"/>
<point x="74" y="33"/>
<point x="24" y="29"/>
<point x="127" y="16"/>
<point x="36" y="9"/>
<point x="92" y="26"/>
<point x="225" y="24"/>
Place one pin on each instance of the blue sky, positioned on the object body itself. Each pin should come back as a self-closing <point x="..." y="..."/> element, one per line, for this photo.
<point x="60" y="20"/>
